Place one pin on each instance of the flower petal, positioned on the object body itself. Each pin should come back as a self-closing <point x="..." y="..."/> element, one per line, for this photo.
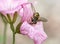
<point x="10" y="6"/>
<point x="27" y="12"/>
<point x="40" y="35"/>
<point x="27" y="29"/>
<point x="34" y="32"/>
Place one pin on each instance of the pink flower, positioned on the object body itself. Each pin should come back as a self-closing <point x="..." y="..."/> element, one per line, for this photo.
<point x="35" y="32"/>
<point x="10" y="6"/>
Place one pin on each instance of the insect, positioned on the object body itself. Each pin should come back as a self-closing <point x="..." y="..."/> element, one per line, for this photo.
<point x="36" y="17"/>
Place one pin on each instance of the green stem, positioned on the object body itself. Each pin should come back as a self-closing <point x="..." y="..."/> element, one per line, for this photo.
<point x="4" y="36"/>
<point x="13" y="38"/>
<point x="12" y="28"/>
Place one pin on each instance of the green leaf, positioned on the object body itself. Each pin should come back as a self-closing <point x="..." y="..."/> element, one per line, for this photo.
<point x="15" y="17"/>
<point x="18" y="27"/>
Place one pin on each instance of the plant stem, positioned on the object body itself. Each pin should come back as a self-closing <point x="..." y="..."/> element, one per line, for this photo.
<point x="4" y="36"/>
<point x="13" y="38"/>
<point x="12" y="28"/>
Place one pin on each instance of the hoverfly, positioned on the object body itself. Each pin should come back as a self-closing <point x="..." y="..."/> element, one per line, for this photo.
<point x="36" y="17"/>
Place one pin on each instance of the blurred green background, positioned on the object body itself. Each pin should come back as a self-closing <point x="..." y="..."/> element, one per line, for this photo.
<point x="1" y="39"/>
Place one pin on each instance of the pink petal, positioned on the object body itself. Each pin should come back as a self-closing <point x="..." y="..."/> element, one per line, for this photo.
<point x="40" y="35"/>
<point x="34" y="32"/>
<point x="27" y="29"/>
<point x="27" y="12"/>
<point x="10" y="6"/>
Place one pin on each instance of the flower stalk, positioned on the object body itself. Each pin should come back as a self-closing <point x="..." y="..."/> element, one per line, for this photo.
<point x="13" y="30"/>
<point x="13" y="38"/>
